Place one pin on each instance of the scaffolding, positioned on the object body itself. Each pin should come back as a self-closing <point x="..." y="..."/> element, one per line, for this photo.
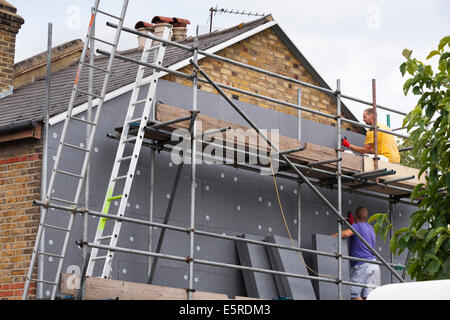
<point x="199" y="75"/>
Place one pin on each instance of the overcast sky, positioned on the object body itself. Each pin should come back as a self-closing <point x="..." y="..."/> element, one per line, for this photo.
<point x="353" y="40"/>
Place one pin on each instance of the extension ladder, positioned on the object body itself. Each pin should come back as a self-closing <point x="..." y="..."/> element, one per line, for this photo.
<point x="133" y="131"/>
<point x="63" y="145"/>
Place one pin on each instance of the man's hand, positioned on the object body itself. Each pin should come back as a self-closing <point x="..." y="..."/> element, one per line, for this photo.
<point x="345" y="142"/>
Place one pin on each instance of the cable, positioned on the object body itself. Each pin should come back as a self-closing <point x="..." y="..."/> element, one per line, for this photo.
<point x="286" y="225"/>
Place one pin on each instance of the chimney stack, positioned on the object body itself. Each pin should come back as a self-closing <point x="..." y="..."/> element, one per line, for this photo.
<point x="160" y="24"/>
<point x="180" y="29"/>
<point x="10" y="23"/>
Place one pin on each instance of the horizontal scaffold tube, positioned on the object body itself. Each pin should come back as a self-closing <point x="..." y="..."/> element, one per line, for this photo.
<point x="279" y="174"/>
<point x="199" y="232"/>
<point x="222" y="264"/>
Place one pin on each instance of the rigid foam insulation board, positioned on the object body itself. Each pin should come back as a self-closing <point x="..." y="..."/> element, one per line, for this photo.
<point x="258" y="284"/>
<point x="328" y="266"/>
<point x="289" y="261"/>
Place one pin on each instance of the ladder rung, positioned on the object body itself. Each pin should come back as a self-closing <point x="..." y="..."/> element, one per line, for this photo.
<point x="103" y="41"/>
<point x="85" y="121"/>
<point x="120" y="178"/>
<point x="76" y="147"/>
<point x="50" y="254"/>
<point x="139" y="101"/>
<point x="90" y="94"/>
<point x="113" y="198"/>
<point x="56" y="227"/>
<point x="70" y="174"/>
<point x="62" y="200"/>
<point x="152" y="48"/>
<point x="104" y="237"/>
<point x="125" y="158"/>
<point x="99" y="258"/>
<point x="45" y="281"/>
<point x="96" y="68"/>
<point x="130" y="139"/>
<point x="109" y="14"/>
<point x="133" y="121"/>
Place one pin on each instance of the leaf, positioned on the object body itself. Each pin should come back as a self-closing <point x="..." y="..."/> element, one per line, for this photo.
<point x="412" y="267"/>
<point x="432" y="233"/>
<point x="421" y="234"/>
<point x="375" y="216"/>
<point x="393" y="244"/>
<point x="444" y="56"/>
<point x="407" y="85"/>
<point x="439" y="242"/>
<point x="407" y="53"/>
<point x="434" y="265"/>
<point x="432" y="54"/>
<point x="400" y="231"/>
<point x="403" y="242"/>
<point x="442" y="43"/>
<point x="446" y="267"/>
<point x="403" y="68"/>
<point x="417" y="91"/>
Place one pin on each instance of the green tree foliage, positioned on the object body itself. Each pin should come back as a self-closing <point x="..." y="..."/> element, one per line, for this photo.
<point x="408" y="158"/>
<point x="428" y="234"/>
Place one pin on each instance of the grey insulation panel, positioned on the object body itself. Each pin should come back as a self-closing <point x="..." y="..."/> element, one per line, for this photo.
<point x="328" y="267"/>
<point x="258" y="284"/>
<point x="291" y="262"/>
<point x="228" y="201"/>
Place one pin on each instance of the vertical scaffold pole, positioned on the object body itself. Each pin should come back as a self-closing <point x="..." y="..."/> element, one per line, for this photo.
<point x="299" y="137"/>
<point x="40" y="285"/>
<point x="374" y="124"/>
<point x="193" y="172"/>
<point x="339" y="182"/>
<point x="391" y="220"/>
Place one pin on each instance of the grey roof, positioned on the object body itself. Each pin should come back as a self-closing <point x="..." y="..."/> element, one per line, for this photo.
<point x="29" y="101"/>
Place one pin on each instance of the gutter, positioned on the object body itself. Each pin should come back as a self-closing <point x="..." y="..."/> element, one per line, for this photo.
<point x="29" y="129"/>
<point x="18" y="126"/>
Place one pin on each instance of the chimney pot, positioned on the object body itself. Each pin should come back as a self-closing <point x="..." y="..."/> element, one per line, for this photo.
<point x="160" y="19"/>
<point x="179" y="29"/>
<point x="144" y="27"/>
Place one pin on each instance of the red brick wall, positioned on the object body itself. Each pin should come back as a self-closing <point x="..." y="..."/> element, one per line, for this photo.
<point x="20" y="184"/>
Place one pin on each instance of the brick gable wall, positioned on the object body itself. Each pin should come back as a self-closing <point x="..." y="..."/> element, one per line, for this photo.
<point x="20" y="184"/>
<point x="265" y="50"/>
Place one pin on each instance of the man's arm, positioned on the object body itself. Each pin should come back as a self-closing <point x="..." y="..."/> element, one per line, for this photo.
<point x="368" y="148"/>
<point x="347" y="233"/>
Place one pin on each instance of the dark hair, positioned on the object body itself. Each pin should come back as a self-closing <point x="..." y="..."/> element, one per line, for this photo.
<point x="362" y="214"/>
<point x="369" y="110"/>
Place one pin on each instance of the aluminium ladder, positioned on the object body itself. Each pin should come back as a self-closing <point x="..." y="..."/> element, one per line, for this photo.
<point x="132" y="125"/>
<point x="63" y="145"/>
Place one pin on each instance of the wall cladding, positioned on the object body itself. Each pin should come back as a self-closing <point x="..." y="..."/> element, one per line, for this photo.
<point x="229" y="201"/>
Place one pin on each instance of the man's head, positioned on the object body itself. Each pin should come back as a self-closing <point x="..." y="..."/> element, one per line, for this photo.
<point x="368" y="116"/>
<point x="361" y="214"/>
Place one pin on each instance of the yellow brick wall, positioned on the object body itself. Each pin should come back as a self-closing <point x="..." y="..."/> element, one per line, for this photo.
<point x="265" y="50"/>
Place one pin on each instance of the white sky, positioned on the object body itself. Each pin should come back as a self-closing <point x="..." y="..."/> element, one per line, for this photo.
<point x="353" y="40"/>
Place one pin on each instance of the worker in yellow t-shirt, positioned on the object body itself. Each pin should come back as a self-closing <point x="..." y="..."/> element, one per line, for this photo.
<point x="386" y="143"/>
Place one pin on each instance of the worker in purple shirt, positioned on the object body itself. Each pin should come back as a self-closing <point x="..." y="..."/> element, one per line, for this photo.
<point x="361" y="272"/>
